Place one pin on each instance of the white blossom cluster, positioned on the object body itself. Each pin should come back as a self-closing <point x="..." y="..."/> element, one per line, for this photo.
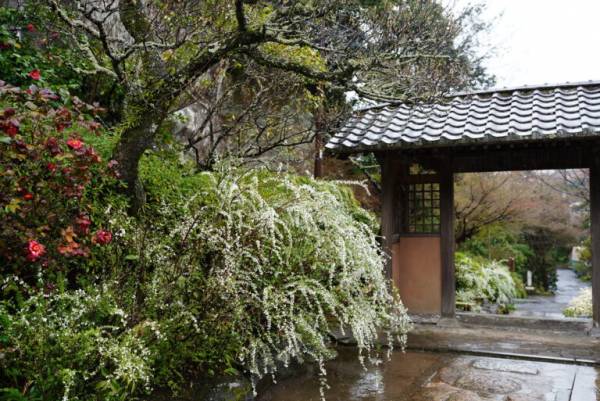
<point x="84" y="336"/>
<point x="266" y="264"/>
<point x="581" y="305"/>
<point x="288" y="259"/>
<point x="479" y="280"/>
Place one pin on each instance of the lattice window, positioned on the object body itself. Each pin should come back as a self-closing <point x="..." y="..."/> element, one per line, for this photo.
<point x="423" y="214"/>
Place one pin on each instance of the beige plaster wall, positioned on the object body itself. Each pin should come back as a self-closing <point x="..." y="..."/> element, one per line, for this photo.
<point x="416" y="271"/>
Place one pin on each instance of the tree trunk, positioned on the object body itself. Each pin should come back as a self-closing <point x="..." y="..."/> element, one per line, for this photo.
<point x="128" y="152"/>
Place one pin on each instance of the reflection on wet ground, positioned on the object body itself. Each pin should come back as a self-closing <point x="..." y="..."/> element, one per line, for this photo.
<point x="422" y="376"/>
<point x="568" y="286"/>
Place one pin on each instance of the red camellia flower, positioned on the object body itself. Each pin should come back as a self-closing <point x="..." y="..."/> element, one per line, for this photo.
<point x="103" y="237"/>
<point x="28" y="196"/>
<point x="30" y="27"/>
<point x="35" y="250"/>
<point x="75" y="144"/>
<point x="35" y="75"/>
<point x="51" y="167"/>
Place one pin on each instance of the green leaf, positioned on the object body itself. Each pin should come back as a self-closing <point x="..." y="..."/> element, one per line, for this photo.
<point x="5" y="139"/>
<point x="132" y="257"/>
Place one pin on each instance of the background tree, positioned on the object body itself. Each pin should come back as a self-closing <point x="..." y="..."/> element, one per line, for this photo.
<point x="519" y="215"/>
<point x="158" y="53"/>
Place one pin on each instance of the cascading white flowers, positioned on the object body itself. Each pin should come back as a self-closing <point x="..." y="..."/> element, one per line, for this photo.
<point x="295" y="258"/>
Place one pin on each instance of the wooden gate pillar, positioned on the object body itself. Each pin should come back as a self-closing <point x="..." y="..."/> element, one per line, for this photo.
<point x="595" y="231"/>
<point x="447" y="240"/>
<point x="388" y="210"/>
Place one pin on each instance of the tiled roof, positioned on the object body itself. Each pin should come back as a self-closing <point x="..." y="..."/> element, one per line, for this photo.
<point x="525" y="113"/>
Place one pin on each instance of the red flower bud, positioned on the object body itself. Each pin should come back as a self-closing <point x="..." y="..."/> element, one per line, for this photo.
<point x="52" y="146"/>
<point x="9" y="112"/>
<point x="28" y="196"/>
<point x="30" y="27"/>
<point x="83" y="223"/>
<point x="11" y="129"/>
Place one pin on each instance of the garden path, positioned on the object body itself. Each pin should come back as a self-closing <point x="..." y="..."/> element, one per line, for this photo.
<point x="424" y="376"/>
<point x="568" y="286"/>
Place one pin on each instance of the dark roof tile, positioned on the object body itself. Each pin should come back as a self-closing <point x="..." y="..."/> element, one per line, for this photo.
<point x="485" y="116"/>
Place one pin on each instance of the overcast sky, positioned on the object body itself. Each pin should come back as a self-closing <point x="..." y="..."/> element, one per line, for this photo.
<point x="543" y="41"/>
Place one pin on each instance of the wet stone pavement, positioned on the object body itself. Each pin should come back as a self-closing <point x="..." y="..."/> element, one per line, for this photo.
<point x="423" y="376"/>
<point x="568" y="286"/>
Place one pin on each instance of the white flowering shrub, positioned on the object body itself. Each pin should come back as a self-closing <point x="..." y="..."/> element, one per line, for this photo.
<point x="71" y="346"/>
<point x="250" y="272"/>
<point x="479" y="280"/>
<point x="257" y="268"/>
<point x="581" y="305"/>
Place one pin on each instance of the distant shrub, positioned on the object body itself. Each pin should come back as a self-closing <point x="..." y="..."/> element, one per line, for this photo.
<point x="479" y="280"/>
<point x="583" y="267"/>
<point x="581" y="305"/>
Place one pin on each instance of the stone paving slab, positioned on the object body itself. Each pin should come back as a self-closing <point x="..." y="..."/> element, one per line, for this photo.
<point x="425" y="376"/>
<point x="520" y="344"/>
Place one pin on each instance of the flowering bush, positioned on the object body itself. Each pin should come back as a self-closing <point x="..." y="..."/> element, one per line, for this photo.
<point x="32" y="52"/>
<point x="47" y="173"/>
<point x="479" y="280"/>
<point x="255" y="271"/>
<point x="72" y="346"/>
<point x="251" y="273"/>
<point x="581" y="305"/>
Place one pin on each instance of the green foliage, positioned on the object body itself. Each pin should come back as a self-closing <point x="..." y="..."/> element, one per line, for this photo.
<point x="234" y="271"/>
<point x="544" y="243"/>
<point x="27" y="44"/>
<point x="583" y="267"/>
<point x="72" y="346"/>
<point x="255" y="268"/>
<point x="496" y="242"/>
<point x="537" y="249"/>
<point x="481" y="280"/>
<point x="50" y="181"/>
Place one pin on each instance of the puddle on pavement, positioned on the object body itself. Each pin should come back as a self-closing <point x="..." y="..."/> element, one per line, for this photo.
<point x="421" y="376"/>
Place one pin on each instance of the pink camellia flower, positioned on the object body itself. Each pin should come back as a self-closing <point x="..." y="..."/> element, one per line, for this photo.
<point x="75" y="144"/>
<point x="103" y="237"/>
<point x="35" y="250"/>
<point x="35" y="75"/>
